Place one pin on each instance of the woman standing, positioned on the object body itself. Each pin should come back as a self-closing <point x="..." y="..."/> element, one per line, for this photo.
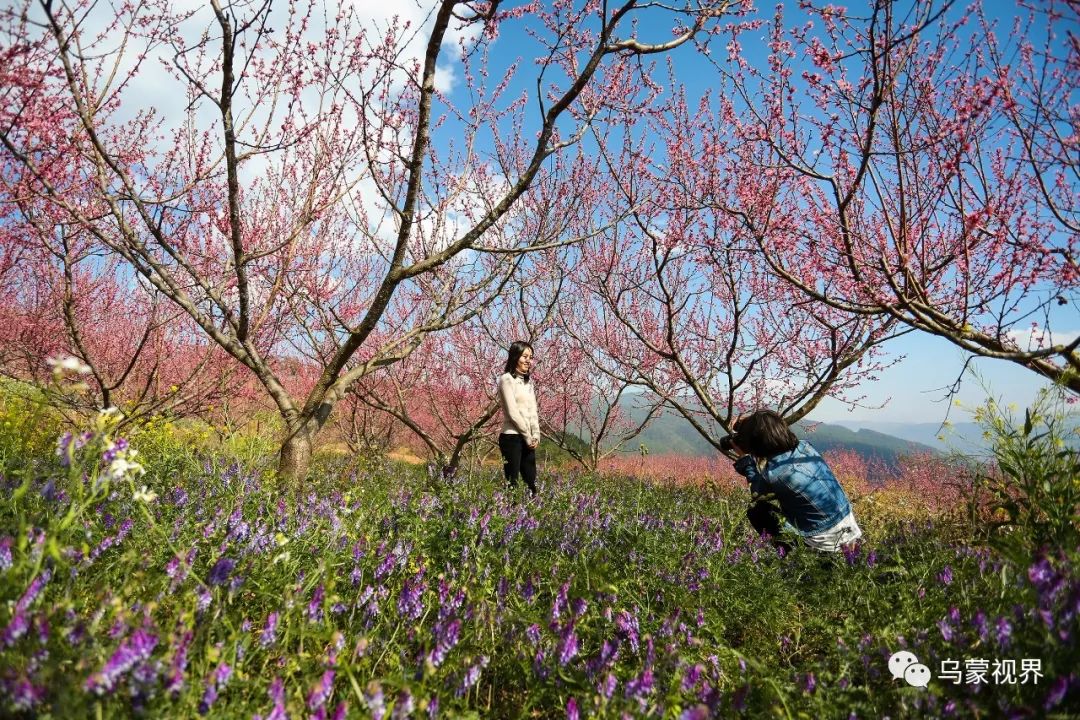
<point x="520" y="432"/>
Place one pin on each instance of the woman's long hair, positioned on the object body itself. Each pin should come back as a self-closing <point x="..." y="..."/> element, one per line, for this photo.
<point x="516" y="349"/>
<point x="764" y="434"/>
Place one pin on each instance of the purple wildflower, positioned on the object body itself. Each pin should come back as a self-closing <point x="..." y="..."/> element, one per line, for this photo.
<point x="118" y="630"/>
<point x="16" y="628"/>
<point x="114" y="449"/>
<point x="568" y="645"/>
<point x="947" y="633"/>
<point x="395" y="557"/>
<point x="640" y="686"/>
<point x="403" y="706"/>
<point x="203" y="598"/>
<point x="214" y="685"/>
<point x="697" y="712"/>
<point x="411" y="601"/>
<point x="472" y="676"/>
<point x="1040" y="573"/>
<point x="738" y="700"/>
<point x="33" y="591"/>
<point x="63" y="449"/>
<point x="851" y="553"/>
<point x="221" y="571"/>
<point x="528" y="592"/>
<point x="979" y="621"/>
<point x="572" y="712"/>
<point x="607" y="686"/>
<point x="132" y="651"/>
<point x="559" y="606"/>
<point x="341" y="711"/>
<point x="277" y="691"/>
<point x="1058" y="691"/>
<point x="315" y="608"/>
<point x="373" y="698"/>
<point x="240" y="532"/>
<point x="5" y="553"/>
<point x="42" y="624"/>
<point x="578" y="606"/>
<point x="538" y="663"/>
<point x="178" y="665"/>
<point x="533" y="634"/>
<point x="210" y="697"/>
<point x="446" y="637"/>
<point x="608" y="652"/>
<point x="809" y="683"/>
<point x="269" y="633"/>
<point x="277" y="696"/>
<point x="25" y="695"/>
<point x="1004" y="632"/>
<point x="946" y="575"/>
<point x="321" y="692"/>
<point x="627" y="626"/>
<point x="691" y="677"/>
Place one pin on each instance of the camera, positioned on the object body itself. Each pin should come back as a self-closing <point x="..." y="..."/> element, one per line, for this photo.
<point x="727" y="444"/>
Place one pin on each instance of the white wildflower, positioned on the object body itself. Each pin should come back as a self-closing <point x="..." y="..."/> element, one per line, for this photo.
<point x="68" y="364"/>
<point x="122" y="466"/>
<point x="145" y="495"/>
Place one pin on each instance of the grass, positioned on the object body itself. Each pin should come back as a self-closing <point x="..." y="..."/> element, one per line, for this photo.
<point x="383" y="591"/>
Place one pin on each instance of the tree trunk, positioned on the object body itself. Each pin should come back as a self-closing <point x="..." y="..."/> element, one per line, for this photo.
<point x="295" y="457"/>
<point x="451" y="467"/>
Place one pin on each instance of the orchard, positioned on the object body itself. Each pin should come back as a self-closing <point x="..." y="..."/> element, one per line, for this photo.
<point x="260" y="267"/>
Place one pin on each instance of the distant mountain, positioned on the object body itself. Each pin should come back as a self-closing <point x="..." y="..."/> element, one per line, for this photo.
<point x="867" y="443"/>
<point x="964" y="437"/>
<point x="887" y="442"/>
<point x="671" y="433"/>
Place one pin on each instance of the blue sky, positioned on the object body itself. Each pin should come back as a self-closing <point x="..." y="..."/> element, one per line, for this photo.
<point x="916" y="387"/>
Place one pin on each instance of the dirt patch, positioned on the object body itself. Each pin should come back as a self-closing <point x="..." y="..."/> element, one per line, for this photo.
<point x="404" y="454"/>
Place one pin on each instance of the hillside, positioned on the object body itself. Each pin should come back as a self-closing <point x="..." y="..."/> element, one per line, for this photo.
<point x="965" y="437"/>
<point x="671" y="433"/>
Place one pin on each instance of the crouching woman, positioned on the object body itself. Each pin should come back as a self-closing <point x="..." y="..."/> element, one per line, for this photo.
<point x="790" y="482"/>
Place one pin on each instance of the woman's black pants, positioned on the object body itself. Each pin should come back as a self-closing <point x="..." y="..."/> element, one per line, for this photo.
<point x="767" y="519"/>
<point x="519" y="460"/>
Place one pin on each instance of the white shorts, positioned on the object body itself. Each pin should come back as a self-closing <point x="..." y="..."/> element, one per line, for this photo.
<point x="842" y="533"/>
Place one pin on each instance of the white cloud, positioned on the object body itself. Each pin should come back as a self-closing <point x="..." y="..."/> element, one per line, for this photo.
<point x="155" y="87"/>
<point x="379" y="14"/>
<point x="1041" y="338"/>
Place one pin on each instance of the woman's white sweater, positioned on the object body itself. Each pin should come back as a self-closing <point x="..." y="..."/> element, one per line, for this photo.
<point x="520" y="416"/>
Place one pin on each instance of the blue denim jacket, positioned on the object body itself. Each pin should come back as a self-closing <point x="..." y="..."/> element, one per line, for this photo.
<point x="809" y="495"/>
